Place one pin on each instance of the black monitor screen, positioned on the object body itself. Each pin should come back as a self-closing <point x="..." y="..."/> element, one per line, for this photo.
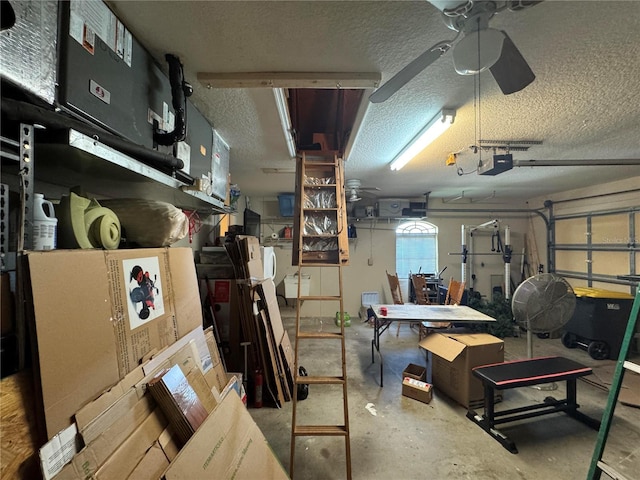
<point x="251" y="223"/>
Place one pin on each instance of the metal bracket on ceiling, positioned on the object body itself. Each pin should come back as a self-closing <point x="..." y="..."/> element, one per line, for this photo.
<point x="504" y="145"/>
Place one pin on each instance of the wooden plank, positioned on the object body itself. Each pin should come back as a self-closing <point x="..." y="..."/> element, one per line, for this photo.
<point x="357" y="80"/>
<point x="287" y="353"/>
<point x="532" y="247"/>
<point x="18" y="431"/>
<point x="273" y="356"/>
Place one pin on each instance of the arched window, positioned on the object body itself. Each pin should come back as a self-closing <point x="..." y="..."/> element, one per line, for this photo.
<point x="416" y="248"/>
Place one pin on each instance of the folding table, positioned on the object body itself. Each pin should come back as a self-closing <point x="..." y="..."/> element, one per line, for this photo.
<point x="437" y="314"/>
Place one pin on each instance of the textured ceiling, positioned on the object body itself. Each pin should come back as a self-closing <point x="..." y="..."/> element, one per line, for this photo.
<point x="582" y="105"/>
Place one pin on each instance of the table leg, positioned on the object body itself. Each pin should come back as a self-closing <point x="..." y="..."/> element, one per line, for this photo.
<point x="375" y="342"/>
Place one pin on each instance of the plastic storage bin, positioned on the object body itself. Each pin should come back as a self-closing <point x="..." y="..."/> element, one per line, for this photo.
<point x="599" y="322"/>
<point x="285" y="203"/>
<point x="291" y="285"/>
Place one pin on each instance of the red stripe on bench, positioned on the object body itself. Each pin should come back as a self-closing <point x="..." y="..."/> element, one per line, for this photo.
<point x="544" y="377"/>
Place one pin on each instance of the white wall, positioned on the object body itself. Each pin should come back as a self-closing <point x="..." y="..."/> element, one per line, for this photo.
<point x="375" y="244"/>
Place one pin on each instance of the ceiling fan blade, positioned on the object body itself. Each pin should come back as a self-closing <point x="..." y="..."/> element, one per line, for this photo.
<point x="8" y="17"/>
<point x="511" y="72"/>
<point x="407" y="73"/>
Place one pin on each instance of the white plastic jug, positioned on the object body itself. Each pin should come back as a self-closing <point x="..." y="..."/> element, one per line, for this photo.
<point x="44" y="224"/>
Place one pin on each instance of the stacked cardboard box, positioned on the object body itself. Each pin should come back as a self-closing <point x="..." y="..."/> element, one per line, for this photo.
<point x="179" y="402"/>
<point x="128" y="434"/>
<point x="96" y="354"/>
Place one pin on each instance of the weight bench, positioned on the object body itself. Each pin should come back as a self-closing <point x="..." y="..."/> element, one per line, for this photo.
<point x="522" y="373"/>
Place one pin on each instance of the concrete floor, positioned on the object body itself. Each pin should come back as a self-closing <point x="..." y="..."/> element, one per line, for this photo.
<point x="407" y="439"/>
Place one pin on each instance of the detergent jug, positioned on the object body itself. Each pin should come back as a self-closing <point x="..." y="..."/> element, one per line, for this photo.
<point x="44" y="224"/>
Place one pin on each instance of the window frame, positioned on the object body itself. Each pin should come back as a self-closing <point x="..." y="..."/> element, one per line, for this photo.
<point x="414" y="229"/>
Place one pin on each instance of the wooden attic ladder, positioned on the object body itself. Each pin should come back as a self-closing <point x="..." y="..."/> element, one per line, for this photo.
<point x="320" y="245"/>
<point x="597" y="466"/>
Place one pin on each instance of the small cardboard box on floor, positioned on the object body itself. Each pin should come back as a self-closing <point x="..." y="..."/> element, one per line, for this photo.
<point x="454" y="355"/>
<point x="416" y="389"/>
<point x="417" y="372"/>
<point x="96" y="314"/>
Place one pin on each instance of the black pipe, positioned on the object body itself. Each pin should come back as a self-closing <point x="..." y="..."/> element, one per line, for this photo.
<point x="180" y="90"/>
<point x="29" y="113"/>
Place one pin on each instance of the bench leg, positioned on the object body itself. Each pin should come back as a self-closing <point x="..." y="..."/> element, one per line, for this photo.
<point x="487" y="421"/>
<point x="572" y="405"/>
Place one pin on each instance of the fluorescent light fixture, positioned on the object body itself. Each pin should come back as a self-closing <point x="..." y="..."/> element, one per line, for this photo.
<point x="432" y="130"/>
<point x="285" y="120"/>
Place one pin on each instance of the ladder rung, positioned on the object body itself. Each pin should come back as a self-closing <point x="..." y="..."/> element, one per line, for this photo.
<point x="320" y="297"/>
<point x="631" y="366"/>
<point x="610" y="471"/>
<point x="315" y="380"/>
<point x="318" y="264"/>
<point x="312" y="430"/>
<point x="322" y="335"/>
<point x="316" y="163"/>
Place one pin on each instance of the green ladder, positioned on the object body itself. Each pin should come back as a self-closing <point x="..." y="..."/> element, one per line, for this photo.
<point x="597" y="465"/>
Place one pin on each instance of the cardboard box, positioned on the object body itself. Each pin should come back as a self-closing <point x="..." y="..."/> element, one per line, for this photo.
<point x="151" y="466"/>
<point x="454" y="355"/>
<point x="252" y="258"/>
<point x="90" y="330"/>
<point x="416" y="389"/>
<point x="416" y="372"/>
<point x="228" y="444"/>
<point x="127" y="456"/>
<point x="116" y="442"/>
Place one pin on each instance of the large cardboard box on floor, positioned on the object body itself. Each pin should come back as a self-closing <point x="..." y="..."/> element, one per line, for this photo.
<point x="97" y="314"/>
<point x="454" y="355"/>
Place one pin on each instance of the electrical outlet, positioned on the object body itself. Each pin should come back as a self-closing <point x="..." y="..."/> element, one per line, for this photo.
<point x="370" y="261"/>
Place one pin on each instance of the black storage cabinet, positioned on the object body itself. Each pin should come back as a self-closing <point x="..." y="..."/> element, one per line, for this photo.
<point x="599" y="322"/>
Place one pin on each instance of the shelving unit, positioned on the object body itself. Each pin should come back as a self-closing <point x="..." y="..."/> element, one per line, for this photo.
<point x="77" y="159"/>
<point x="70" y="159"/>
<point x="320" y="231"/>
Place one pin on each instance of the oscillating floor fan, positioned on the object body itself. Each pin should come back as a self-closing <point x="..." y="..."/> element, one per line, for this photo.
<point x="541" y="304"/>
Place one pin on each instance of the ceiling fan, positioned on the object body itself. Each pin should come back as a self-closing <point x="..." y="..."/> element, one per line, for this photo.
<point x="480" y="47"/>
<point x="354" y="187"/>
